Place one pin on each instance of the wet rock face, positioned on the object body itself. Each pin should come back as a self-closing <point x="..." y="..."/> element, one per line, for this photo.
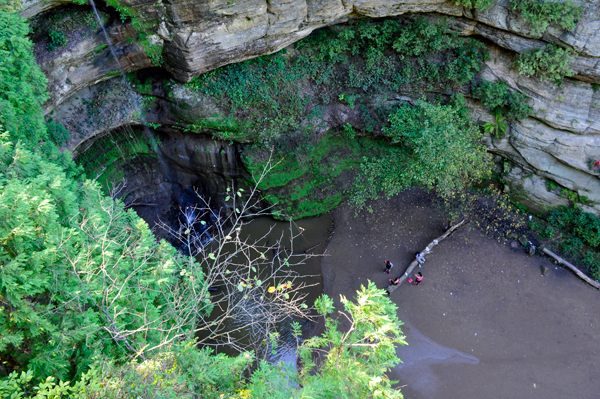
<point x="83" y="58"/>
<point x="559" y="142"/>
<point x="202" y="35"/>
<point x="160" y="185"/>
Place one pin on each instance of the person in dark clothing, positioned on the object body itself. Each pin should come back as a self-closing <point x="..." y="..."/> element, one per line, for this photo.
<point x="388" y="266"/>
<point x="395" y="281"/>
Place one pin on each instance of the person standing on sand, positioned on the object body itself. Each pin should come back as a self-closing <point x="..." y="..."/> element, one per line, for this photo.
<point x="388" y="266"/>
<point x="419" y="278"/>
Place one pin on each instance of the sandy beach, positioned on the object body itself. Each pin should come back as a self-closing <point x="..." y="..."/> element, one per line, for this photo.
<point x="484" y="323"/>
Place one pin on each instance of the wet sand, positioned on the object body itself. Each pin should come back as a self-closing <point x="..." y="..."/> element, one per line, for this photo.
<point x="484" y="323"/>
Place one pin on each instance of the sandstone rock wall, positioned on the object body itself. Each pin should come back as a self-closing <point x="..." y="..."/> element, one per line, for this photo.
<point x="559" y="142"/>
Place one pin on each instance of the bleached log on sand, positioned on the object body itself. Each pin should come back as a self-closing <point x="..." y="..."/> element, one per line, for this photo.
<point x="393" y="287"/>
<point x="570" y="266"/>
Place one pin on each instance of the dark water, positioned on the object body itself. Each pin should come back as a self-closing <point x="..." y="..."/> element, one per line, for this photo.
<point x="265" y="231"/>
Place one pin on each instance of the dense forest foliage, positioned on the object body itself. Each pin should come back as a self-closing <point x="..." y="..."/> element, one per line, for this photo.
<point x="92" y="304"/>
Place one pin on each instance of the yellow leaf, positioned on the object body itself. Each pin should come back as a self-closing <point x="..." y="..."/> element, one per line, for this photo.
<point x="271" y="290"/>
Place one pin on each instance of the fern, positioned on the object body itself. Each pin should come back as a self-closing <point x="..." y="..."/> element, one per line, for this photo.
<point x="541" y="14"/>
<point x="549" y="62"/>
<point x="476" y="4"/>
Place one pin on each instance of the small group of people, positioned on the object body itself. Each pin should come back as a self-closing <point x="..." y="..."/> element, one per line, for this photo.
<point x="416" y="281"/>
<point x="420" y="257"/>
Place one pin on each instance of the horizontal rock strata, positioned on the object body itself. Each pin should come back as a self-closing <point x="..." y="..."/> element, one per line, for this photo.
<point x="558" y="142"/>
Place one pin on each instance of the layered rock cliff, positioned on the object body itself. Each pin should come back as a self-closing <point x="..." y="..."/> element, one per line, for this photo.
<point x="559" y="142"/>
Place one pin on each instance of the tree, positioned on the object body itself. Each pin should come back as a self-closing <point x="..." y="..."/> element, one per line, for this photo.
<point x="438" y="147"/>
<point x="22" y="84"/>
<point x="341" y="363"/>
<point x="79" y="275"/>
<point x="258" y="284"/>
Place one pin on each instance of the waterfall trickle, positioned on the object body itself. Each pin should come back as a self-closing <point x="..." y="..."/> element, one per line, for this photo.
<point x="151" y="139"/>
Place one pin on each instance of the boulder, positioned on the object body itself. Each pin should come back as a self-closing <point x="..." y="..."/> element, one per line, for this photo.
<point x="545" y="270"/>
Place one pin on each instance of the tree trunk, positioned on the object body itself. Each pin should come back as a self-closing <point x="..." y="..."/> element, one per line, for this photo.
<point x="393" y="287"/>
<point x="573" y="268"/>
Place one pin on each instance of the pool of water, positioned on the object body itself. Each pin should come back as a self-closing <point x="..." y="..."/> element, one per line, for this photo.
<point x="310" y="238"/>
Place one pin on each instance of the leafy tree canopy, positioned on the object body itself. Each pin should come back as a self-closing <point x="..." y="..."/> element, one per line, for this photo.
<point x="438" y="148"/>
<point x="22" y="84"/>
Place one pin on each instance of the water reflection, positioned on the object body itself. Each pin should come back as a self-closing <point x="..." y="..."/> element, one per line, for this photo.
<point x="278" y="244"/>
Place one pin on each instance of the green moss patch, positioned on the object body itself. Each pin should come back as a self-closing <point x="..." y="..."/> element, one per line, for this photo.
<point x="106" y="158"/>
<point x="299" y="185"/>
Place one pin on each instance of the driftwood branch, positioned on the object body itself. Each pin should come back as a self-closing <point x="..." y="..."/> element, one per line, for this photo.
<point x="393" y="287"/>
<point x="573" y="268"/>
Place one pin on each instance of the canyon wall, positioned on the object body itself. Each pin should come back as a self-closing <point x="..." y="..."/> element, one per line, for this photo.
<point x="559" y="142"/>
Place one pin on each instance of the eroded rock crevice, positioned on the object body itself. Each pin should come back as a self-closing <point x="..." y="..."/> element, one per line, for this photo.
<point x="159" y="185"/>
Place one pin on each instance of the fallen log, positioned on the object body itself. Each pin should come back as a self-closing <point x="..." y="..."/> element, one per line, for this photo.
<point x="573" y="268"/>
<point x="393" y="287"/>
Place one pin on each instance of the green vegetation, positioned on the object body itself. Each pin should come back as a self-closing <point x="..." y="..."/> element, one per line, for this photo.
<point x="57" y="39"/>
<point x="100" y="47"/>
<point x="501" y="100"/>
<point x="271" y="94"/>
<point x="549" y="62"/>
<point x="273" y="97"/>
<point x="22" y="84"/>
<point x="57" y="133"/>
<point x="11" y="5"/>
<point x="183" y="371"/>
<point x="54" y="28"/>
<point x="584" y="225"/>
<point x="57" y="232"/>
<point x="144" y="28"/>
<point x="262" y="92"/>
<point x="476" y="4"/>
<point x="570" y="230"/>
<point x="372" y="317"/>
<point x="551" y="185"/>
<point x="61" y="240"/>
<point x="93" y="307"/>
<point x="314" y="168"/>
<point x="541" y="14"/>
<point x="496" y="128"/>
<point x="437" y="147"/>
<point x="571" y="195"/>
<point x="107" y="158"/>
